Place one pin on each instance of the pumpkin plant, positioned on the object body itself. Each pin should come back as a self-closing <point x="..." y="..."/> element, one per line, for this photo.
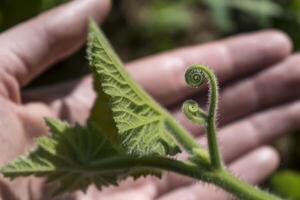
<point x="129" y="135"/>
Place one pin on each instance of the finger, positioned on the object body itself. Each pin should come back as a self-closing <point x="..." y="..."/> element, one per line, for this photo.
<point x="65" y="100"/>
<point x="273" y="86"/>
<point x="29" y="48"/>
<point x="280" y="81"/>
<point x="161" y="86"/>
<point x="229" y="58"/>
<point x="240" y="137"/>
<point x="58" y="103"/>
<point x="139" y="189"/>
<point x="253" y="168"/>
<point x="32" y="116"/>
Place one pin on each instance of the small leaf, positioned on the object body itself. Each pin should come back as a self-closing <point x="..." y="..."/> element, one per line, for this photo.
<point x="67" y="157"/>
<point x="139" y="120"/>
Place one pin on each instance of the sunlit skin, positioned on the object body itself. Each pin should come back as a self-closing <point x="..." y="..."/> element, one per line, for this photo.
<point x="259" y="101"/>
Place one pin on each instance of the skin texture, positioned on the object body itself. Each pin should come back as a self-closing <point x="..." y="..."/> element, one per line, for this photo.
<point x="259" y="100"/>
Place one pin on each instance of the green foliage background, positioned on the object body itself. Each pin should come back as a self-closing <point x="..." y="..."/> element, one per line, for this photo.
<point x="138" y="28"/>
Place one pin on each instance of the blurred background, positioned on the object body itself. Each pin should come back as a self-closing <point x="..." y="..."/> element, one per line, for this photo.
<point x="138" y="28"/>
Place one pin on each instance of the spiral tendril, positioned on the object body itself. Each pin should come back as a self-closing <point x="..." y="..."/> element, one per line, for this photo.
<point x="193" y="112"/>
<point x="195" y="76"/>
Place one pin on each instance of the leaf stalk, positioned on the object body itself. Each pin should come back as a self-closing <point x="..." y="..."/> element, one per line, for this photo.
<point x="220" y="177"/>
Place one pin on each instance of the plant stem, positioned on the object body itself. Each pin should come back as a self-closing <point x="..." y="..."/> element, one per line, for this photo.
<point x="220" y="177"/>
<point x="239" y="188"/>
<point x="186" y="140"/>
<point x="181" y="135"/>
<point x="214" y="152"/>
<point x="194" y="77"/>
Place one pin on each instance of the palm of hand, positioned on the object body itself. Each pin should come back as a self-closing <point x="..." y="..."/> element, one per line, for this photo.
<point x="24" y="57"/>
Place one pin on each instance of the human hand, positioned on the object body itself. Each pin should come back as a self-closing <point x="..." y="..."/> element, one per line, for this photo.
<point x="244" y="95"/>
<point x="25" y="51"/>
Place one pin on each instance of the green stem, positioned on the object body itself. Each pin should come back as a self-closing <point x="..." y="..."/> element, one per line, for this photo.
<point x="214" y="152"/>
<point x="221" y="177"/>
<point x="181" y="135"/>
<point x="194" y="77"/>
<point x="238" y="187"/>
<point x="186" y="140"/>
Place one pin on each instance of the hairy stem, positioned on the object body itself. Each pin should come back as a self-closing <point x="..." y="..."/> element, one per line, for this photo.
<point x="216" y="160"/>
<point x="239" y="188"/>
<point x="219" y="177"/>
<point x="195" y="76"/>
<point x="186" y="140"/>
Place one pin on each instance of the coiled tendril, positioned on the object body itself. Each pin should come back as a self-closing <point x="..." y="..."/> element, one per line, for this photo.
<point x="193" y="112"/>
<point x="195" y="76"/>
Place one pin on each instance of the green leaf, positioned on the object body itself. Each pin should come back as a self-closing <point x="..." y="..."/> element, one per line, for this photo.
<point x="139" y="120"/>
<point x="220" y="10"/>
<point x="66" y="157"/>
<point x="73" y="158"/>
<point x="258" y="8"/>
<point x="124" y="122"/>
<point x="287" y="183"/>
